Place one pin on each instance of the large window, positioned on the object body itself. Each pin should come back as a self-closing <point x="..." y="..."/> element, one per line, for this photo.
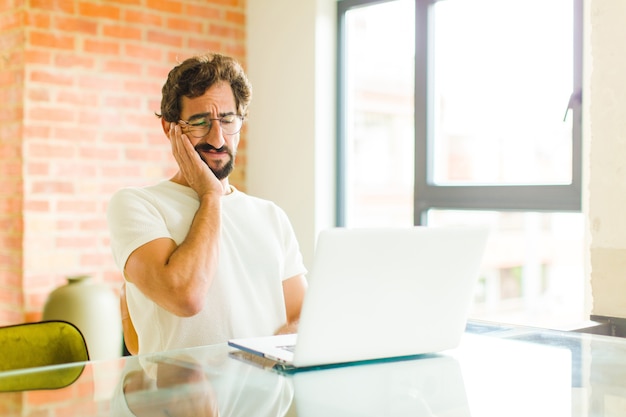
<point x="468" y="112"/>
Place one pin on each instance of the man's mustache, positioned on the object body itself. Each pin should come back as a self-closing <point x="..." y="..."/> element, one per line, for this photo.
<point x="205" y="147"/>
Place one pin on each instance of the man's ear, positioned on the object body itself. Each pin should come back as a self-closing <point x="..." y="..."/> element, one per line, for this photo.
<point x="166" y="127"/>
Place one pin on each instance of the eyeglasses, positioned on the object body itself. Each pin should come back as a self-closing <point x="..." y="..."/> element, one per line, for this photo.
<point x="199" y="127"/>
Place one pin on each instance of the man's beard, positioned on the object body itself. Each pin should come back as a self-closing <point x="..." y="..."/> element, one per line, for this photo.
<point x="224" y="170"/>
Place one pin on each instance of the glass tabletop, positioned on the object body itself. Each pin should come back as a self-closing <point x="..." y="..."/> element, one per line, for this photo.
<point x="497" y="370"/>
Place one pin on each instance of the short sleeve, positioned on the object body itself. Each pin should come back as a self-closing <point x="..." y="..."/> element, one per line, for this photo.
<point x="133" y="219"/>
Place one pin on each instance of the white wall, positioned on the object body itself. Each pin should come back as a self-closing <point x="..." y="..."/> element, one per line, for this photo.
<point x="606" y="125"/>
<point x="291" y="128"/>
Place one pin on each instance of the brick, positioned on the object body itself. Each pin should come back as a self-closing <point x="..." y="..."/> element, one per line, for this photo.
<point x="37" y="57"/>
<point x="142" y="17"/>
<point x="13" y="59"/>
<point x="102" y="119"/>
<point x="101" y="47"/>
<point x="10" y="205"/>
<point x="158" y="72"/>
<point x="227" y="32"/>
<point x="94" y="259"/>
<point x="127" y="137"/>
<point x="121" y="171"/>
<point x="152" y="53"/>
<point x="139" y="120"/>
<point x="52" y="187"/>
<point x="142" y="87"/>
<point x="75" y="170"/>
<point x="54" y="78"/>
<point x="237" y="51"/>
<point x="73" y="242"/>
<point x="48" y="150"/>
<point x="185" y="24"/>
<point x="11" y="21"/>
<point x="78" y="25"/>
<point x="41" y="114"/>
<point x="127" y="2"/>
<point x="101" y="11"/>
<point x="10" y="78"/>
<point x="61" y="6"/>
<point x="121" y="32"/>
<point x="38" y="94"/>
<point x="37" y="205"/>
<point x="8" y="115"/>
<point x="238" y="18"/>
<point x="206" y="12"/>
<point x="50" y="40"/>
<point x="80" y="98"/>
<point x="158" y="138"/>
<point x="12" y="40"/>
<point x="11" y="277"/>
<point x="12" y="297"/>
<point x="10" y="152"/>
<point x="123" y="101"/>
<point x="37" y="131"/>
<point x="203" y="44"/>
<point x="74" y="206"/>
<point x="73" y="134"/>
<point x="11" y="168"/>
<point x="142" y="154"/>
<point x="37" y="168"/>
<point x="74" y="61"/>
<point x="97" y="82"/>
<point x="123" y="67"/>
<point x="38" y="20"/>
<point x="161" y="38"/>
<point x="93" y="225"/>
<point x="100" y="154"/>
<point x="166" y="6"/>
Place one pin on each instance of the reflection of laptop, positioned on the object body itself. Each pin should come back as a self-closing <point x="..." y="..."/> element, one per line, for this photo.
<point x="425" y="387"/>
<point x="381" y="293"/>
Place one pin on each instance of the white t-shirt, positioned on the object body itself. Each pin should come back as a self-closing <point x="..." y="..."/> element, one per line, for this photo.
<point x="258" y="250"/>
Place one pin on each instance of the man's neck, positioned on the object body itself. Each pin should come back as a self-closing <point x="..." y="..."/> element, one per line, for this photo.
<point x="179" y="179"/>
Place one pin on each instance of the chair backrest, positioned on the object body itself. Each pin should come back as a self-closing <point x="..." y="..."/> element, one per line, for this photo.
<point x="40" y="344"/>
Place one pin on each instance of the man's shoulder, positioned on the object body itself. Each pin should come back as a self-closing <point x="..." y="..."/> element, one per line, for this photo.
<point x="259" y="202"/>
<point x="152" y="190"/>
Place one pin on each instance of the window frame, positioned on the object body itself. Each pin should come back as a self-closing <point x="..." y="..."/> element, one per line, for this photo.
<point x="427" y="194"/>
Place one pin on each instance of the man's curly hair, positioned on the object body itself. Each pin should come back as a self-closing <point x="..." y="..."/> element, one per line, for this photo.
<point x="195" y="75"/>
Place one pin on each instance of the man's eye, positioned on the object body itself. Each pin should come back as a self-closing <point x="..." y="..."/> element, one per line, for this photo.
<point x="228" y="119"/>
<point x="197" y="123"/>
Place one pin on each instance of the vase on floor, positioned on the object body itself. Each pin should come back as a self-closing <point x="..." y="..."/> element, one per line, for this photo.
<point x="94" y="309"/>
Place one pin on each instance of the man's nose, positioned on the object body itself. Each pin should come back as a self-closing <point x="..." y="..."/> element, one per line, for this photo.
<point x="215" y="137"/>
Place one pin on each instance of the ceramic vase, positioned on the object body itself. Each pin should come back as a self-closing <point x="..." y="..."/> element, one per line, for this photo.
<point x="94" y="309"/>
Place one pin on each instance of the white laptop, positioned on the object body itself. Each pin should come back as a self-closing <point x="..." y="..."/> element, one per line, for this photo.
<point x="381" y="293"/>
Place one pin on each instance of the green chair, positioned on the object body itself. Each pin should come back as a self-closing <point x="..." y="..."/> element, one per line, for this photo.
<point x="26" y="348"/>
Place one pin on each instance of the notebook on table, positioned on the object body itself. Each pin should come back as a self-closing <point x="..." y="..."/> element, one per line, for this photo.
<point x="377" y="293"/>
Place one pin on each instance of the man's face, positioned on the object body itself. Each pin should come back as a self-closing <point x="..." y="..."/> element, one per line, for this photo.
<point x="216" y="148"/>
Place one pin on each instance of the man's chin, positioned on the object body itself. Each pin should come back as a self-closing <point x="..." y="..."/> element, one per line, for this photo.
<point x="223" y="171"/>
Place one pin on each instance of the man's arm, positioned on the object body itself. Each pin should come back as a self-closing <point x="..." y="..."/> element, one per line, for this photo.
<point x="294" y="289"/>
<point x="178" y="277"/>
<point x="130" y="335"/>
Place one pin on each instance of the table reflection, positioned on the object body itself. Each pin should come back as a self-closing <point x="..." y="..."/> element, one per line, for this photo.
<point x="427" y="386"/>
<point x="187" y="385"/>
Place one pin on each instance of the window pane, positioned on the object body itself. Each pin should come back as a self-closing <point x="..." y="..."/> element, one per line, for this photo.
<point x="533" y="266"/>
<point x="502" y="82"/>
<point x="379" y="137"/>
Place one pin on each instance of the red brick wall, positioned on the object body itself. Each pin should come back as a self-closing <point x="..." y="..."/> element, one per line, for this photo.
<point x="11" y="185"/>
<point x="87" y="75"/>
